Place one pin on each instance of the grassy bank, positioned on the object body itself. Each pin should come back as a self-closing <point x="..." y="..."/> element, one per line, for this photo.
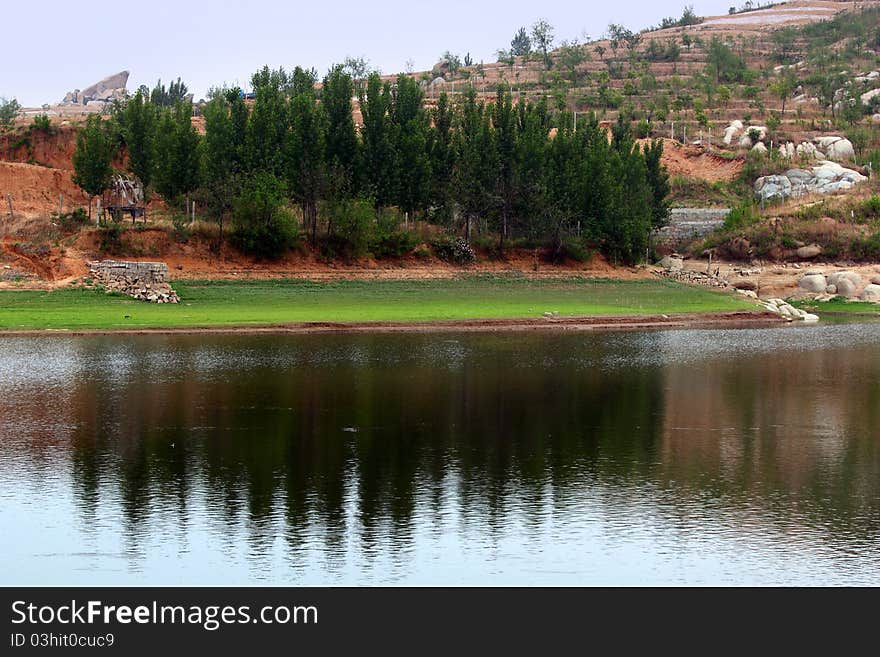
<point x="842" y="307"/>
<point x="250" y="303"/>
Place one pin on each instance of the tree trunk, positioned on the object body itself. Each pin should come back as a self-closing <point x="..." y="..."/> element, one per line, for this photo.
<point x="503" y="230"/>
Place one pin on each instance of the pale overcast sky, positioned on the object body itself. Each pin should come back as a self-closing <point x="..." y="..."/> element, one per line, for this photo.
<point x="51" y="47"/>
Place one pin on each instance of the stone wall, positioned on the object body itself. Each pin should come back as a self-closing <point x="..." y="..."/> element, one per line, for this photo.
<point x="136" y="272"/>
<point x="686" y="224"/>
<point x="144" y="281"/>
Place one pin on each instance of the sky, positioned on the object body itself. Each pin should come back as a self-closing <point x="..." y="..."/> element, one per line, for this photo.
<point x="60" y="45"/>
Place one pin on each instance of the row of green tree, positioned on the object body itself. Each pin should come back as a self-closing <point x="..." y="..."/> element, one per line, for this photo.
<point x="513" y="170"/>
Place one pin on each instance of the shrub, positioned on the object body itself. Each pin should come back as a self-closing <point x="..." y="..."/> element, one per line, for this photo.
<point x="73" y="221"/>
<point x="388" y="241"/>
<point x="182" y="224"/>
<point x="351" y="226"/>
<point x="456" y="250"/>
<point x="866" y="248"/>
<point x="576" y="249"/>
<point x="394" y="245"/>
<point x="110" y="238"/>
<point x="743" y="215"/>
<point x="9" y="109"/>
<point x="261" y="223"/>
<point x="42" y="123"/>
<point x="870" y="208"/>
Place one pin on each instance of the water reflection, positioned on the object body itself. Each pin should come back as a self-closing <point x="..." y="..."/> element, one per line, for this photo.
<point x="655" y="457"/>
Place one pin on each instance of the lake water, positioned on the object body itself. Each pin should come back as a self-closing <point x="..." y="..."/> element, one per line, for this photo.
<point x="747" y="456"/>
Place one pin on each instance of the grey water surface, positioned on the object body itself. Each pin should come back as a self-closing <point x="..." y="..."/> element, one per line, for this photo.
<point x="741" y="456"/>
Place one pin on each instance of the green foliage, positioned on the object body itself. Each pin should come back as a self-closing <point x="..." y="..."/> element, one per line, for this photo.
<point x="137" y="121"/>
<point x="378" y="141"/>
<point x="177" y="166"/>
<point x="93" y="157"/>
<point x="182" y="224"/>
<point x="9" y="109"/>
<point x="745" y="214"/>
<point x="521" y="44"/>
<point x="577" y="249"/>
<point x="658" y="182"/>
<point x="304" y="151"/>
<point x="352" y="223"/>
<point x="73" y="221"/>
<point x="688" y="17"/>
<point x="343" y="152"/>
<point x="542" y="41"/>
<point x="723" y="64"/>
<point x="110" y="238"/>
<point x="42" y="123"/>
<point x="177" y="92"/>
<point x="394" y="245"/>
<point x="262" y="225"/>
<point x="866" y="248"/>
<point x="870" y="208"/>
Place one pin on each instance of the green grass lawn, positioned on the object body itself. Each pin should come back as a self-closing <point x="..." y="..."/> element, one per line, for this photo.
<point x="248" y="303"/>
<point x="838" y="306"/>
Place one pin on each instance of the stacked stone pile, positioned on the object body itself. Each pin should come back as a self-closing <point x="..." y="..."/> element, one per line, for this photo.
<point x="144" y="281"/>
<point x="672" y="266"/>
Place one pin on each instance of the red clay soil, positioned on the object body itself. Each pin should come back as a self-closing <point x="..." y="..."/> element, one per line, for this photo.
<point x="695" y="162"/>
<point x="34" y="190"/>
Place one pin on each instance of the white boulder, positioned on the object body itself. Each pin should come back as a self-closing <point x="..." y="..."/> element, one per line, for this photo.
<point x="871" y="293"/>
<point x="815" y="283"/>
<point x="868" y="96"/>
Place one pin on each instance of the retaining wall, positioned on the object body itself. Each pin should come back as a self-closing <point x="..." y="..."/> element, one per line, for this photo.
<point x="686" y="224"/>
<point x="139" y="272"/>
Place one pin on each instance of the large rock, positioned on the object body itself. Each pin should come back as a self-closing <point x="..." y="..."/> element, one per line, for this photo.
<point x="875" y="280"/>
<point x="773" y="187"/>
<point x="732" y="132"/>
<point x="813" y="283"/>
<point x="807" y="149"/>
<point x="807" y="252"/>
<point x="111" y="87"/>
<point x="871" y="293"/>
<point x="842" y="149"/>
<point x="851" y="276"/>
<point x="868" y="96"/>
<point x="441" y="68"/>
<point x="745" y="284"/>
<point x="115" y="81"/>
<point x="824" y="178"/>
<point x="845" y="288"/>
<point x="672" y="263"/>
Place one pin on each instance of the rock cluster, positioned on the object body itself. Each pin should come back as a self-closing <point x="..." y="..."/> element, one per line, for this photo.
<point x="824" y="178"/>
<point x="144" y="281"/>
<point x="829" y="147"/>
<point x="847" y="284"/>
<point x="780" y="307"/>
<point x="101" y="93"/>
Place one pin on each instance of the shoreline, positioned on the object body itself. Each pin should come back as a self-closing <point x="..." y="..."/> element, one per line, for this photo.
<point x="716" y="319"/>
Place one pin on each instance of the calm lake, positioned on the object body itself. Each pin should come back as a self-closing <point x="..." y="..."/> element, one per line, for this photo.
<point x="742" y="456"/>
